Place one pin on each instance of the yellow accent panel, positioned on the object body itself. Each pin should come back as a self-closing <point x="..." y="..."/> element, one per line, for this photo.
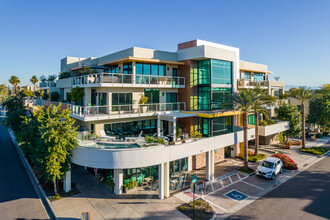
<point x="220" y="114"/>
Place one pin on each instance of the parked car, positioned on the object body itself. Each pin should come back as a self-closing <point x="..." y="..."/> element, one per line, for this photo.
<point x="270" y="167"/>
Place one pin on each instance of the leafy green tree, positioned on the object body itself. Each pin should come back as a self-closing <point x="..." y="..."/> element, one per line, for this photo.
<point x="15" y="109"/>
<point x="54" y="96"/>
<point x="3" y="93"/>
<point x="51" y="78"/>
<point x="289" y="112"/>
<point x="261" y="99"/>
<point x="43" y="78"/>
<point x="319" y="108"/>
<point x="77" y="94"/>
<point x="14" y="80"/>
<point x="59" y="137"/>
<point x="34" y="81"/>
<point x="302" y="94"/>
<point x="38" y="94"/>
<point x="244" y="101"/>
<point x="45" y="95"/>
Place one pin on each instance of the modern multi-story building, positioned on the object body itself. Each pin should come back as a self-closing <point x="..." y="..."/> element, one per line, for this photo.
<point x="188" y="90"/>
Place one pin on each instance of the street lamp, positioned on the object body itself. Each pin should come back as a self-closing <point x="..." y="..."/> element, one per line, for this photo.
<point x="193" y="181"/>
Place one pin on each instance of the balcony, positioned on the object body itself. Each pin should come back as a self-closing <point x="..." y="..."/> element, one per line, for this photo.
<point x="246" y="84"/>
<point x="92" y="113"/>
<point x="128" y="80"/>
<point x="280" y="126"/>
<point x="136" y="157"/>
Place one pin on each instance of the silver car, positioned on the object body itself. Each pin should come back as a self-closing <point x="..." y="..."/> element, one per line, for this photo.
<point x="270" y="167"/>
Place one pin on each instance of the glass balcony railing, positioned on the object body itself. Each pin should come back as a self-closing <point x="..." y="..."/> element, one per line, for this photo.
<point x="121" y="78"/>
<point x="85" y="111"/>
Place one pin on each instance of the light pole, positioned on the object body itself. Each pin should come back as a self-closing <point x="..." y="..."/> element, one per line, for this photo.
<point x="193" y="181"/>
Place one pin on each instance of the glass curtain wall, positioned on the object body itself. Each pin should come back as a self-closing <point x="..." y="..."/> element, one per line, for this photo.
<point x="222" y="125"/>
<point x="213" y="72"/>
<point x="247" y="76"/>
<point x="172" y="97"/>
<point x="221" y="72"/>
<point x="153" y="98"/>
<point x="138" y="174"/>
<point x="124" y="99"/>
<point x="209" y="127"/>
<point x="221" y="98"/>
<point x="251" y="119"/>
<point x="146" y="71"/>
<point x="134" y="128"/>
<point x="259" y="77"/>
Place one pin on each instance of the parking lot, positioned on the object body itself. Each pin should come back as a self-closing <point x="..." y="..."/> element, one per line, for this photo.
<point x="228" y="193"/>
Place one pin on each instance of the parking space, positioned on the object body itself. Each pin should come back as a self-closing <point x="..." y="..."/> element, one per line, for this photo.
<point x="227" y="192"/>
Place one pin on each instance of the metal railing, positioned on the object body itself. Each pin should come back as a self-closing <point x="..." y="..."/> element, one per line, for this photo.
<point x="121" y="78"/>
<point x="85" y="111"/>
<point x="244" y="83"/>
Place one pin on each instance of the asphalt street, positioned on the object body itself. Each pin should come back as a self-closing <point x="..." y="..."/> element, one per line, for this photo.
<point x="18" y="199"/>
<point x="306" y="196"/>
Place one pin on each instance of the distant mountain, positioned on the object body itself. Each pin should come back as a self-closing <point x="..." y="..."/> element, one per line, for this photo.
<point x="287" y="87"/>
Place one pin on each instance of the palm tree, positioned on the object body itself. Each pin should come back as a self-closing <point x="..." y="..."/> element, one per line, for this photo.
<point x="260" y="100"/>
<point x="14" y="80"/>
<point x="243" y="100"/>
<point x="302" y="94"/>
<point x="34" y="81"/>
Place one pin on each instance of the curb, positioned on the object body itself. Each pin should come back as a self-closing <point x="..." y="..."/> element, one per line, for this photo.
<point x="34" y="180"/>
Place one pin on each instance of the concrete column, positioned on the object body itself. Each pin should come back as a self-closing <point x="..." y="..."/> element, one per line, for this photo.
<point x="133" y="71"/>
<point x="174" y="128"/>
<point x="163" y="180"/>
<point x="119" y="179"/>
<point x="87" y="96"/>
<point x="210" y="165"/>
<point x="67" y="182"/>
<point x="158" y="125"/>
<point x="189" y="160"/>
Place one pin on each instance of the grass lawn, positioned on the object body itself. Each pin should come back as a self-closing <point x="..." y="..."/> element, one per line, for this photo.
<point x="315" y="150"/>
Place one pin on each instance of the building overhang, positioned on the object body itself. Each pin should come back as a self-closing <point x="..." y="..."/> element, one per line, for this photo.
<point x="137" y="59"/>
<point x="255" y="70"/>
<point x="213" y="114"/>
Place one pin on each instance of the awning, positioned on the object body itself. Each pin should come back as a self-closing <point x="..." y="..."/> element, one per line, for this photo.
<point x="171" y="116"/>
<point x="213" y="114"/>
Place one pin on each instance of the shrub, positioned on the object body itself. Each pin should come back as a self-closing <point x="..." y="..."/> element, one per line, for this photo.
<point x="271" y="122"/>
<point x="195" y="134"/>
<point x="262" y="123"/>
<point x="318" y="135"/>
<point x="288" y="163"/>
<point x="54" y="96"/>
<point x="54" y="198"/>
<point x="150" y="140"/>
<point x="183" y="208"/>
<point x="254" y="158"/>
<point x="315" y="150"/>
<point x="248" y="171"/>
<point x="198" y="202"/>
<point x="325" y="134"/>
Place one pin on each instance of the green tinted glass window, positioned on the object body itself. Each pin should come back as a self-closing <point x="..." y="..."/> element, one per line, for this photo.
<point x="221" y="72"/>
<point x="221" y="98"/>
<point x="204" y="98"/>
<point x="204" y="72"/>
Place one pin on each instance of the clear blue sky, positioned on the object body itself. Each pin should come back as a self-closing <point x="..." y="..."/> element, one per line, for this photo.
<point x="292" y="37"/>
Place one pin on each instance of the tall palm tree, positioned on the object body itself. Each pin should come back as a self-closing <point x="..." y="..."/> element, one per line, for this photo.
<point x="261" y="99"/>
<point x="34" y="81"/>
<point x="243" y="100"/>
<point x="302" y="94"/>
<point x="14" y="80"/>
